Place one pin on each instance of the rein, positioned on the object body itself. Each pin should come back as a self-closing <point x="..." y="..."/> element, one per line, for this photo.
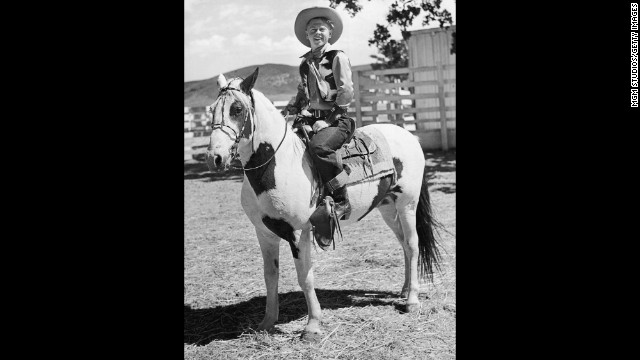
<point x="272" y="156"/>
<point x="234" y="148"/>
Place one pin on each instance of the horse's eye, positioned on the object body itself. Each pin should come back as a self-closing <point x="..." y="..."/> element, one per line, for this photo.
<point x="236" y="110"/>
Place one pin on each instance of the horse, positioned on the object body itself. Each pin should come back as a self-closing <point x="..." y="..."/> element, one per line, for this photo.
<point x="280" y="190"/>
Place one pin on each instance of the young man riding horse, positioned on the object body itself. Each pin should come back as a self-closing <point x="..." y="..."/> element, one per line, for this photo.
<point x="324" y="94"/>
<point x="279" y="188"/>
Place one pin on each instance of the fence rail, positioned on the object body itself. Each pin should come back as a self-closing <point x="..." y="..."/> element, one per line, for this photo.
<point x="414" y="98"/>
<point x="197" y="122"/>
<point x="406" y="97"/>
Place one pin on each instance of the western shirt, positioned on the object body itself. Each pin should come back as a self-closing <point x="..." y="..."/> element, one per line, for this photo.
<point x="333" y="71"/>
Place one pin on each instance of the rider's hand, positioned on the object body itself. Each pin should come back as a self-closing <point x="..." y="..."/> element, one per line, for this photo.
<point x="335" y="114"/>
<point x="319" y="125"/>
<point x="292" y="110"/>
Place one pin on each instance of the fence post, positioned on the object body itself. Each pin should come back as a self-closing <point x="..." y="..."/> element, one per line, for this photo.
<point x="356" y="95"/>
<point x="414" y="102"/>
<point x="397" y="105"/>
<point x="443" y="114"/>
<point x="189" y="124"/>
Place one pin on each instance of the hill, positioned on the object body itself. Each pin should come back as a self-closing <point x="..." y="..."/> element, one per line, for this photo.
<point x="276" y="81"/>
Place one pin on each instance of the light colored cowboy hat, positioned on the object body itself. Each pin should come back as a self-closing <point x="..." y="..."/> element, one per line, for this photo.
<point x="305" y="15"/>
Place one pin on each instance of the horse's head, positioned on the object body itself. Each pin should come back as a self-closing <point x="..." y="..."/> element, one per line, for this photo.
<point x="232" y="119"/>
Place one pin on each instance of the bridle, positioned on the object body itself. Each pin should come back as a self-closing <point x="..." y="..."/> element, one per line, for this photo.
<point x="233" y="150"/>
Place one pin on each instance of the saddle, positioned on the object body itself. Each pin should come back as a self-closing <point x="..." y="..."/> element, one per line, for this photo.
<point x="365" y="156"/>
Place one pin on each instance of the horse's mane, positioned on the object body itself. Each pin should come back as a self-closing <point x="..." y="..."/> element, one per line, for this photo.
<point x="264" y="101"/>
<point x="266" y="110"/>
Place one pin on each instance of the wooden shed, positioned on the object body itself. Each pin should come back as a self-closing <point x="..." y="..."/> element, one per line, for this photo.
<point x="432" y="48"/>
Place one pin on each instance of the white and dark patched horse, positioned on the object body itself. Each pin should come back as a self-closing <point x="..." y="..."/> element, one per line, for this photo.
<point x="280" y="192"/>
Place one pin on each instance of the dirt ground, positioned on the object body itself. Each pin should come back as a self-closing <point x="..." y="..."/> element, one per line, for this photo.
<point x="357" y="284"/>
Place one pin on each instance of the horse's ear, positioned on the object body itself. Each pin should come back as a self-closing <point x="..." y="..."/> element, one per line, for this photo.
<point x="222" y="81"/>
<point x="247" y="84"/>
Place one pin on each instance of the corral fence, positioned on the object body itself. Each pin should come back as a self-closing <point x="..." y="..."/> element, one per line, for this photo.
<point x="420" y="99"/>
<point x="197" y="122"/>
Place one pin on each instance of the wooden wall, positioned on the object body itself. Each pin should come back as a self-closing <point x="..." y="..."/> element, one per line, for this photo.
<point x="431" y="47"/>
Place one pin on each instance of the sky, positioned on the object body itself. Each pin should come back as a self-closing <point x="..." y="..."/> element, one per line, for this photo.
<point x="224" y="35"/>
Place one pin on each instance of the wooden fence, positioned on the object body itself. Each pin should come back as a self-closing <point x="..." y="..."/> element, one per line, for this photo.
<point x="420" y="99"/>
<point x="401" y="97"/>
<point x="197" y="122"/>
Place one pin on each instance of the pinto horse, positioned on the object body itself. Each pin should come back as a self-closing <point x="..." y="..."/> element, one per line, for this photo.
<point x="280" y="189"/>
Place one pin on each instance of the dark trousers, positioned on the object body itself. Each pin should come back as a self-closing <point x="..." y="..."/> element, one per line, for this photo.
<point x="324" y="145"/>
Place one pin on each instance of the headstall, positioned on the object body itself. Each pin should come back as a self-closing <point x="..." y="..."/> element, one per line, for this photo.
<point x="233" y="151"/>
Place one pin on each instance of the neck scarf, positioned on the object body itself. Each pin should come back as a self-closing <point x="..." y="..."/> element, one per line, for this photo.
<point x="317" y="53"/>
<point x="313" y="60"/>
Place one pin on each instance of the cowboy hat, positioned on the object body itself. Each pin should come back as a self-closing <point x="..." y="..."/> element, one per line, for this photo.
<point x="305" y="15"/>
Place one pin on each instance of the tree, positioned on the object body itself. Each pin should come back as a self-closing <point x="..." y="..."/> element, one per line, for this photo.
<point x="402" y="13"/>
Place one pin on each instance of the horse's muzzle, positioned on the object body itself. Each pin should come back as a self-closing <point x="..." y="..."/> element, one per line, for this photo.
<point x="215" y="162"/>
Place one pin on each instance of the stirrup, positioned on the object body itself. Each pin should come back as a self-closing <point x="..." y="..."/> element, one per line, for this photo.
<point x="334" y="221"/>
<point x="325" y="221"/>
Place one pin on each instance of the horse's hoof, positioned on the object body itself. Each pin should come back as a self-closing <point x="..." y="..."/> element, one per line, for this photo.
<point x="412" y="308"/>
<point x="311" y="337"/>
<point x="312" y="332"/>
<point x="266" y="325"/>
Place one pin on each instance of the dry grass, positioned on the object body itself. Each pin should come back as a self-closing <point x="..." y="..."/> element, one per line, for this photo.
<point x="357" y="284"/>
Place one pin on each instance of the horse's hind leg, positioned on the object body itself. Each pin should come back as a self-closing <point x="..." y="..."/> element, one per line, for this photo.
<point x="270" y="247"/>
<point x="304" y="269"/>
<point x="390" y="216"/>
<point x="407" y="218"/>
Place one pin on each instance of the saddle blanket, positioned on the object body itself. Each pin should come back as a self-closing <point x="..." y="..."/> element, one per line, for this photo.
<point x="367" y="157"/>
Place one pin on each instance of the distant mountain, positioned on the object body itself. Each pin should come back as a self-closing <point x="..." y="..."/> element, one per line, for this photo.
<point x="276" y="81"/>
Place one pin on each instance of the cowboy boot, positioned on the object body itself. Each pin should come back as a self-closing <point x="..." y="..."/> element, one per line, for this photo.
<point x="325" y="219"/>
<point x="321" y="221"/>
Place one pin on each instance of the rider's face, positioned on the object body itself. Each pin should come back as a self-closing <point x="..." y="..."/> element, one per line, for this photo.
<point x="318" y="33"/>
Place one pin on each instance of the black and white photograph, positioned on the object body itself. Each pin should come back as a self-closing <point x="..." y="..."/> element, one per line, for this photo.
<point x="324" y="181"/>
<point x="320" y="179"/>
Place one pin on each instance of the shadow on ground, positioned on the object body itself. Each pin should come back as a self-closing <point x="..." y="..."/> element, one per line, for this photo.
<point x="201" y="326"/>
<point x="440" y="161"/>
<point x="194" y="170"/>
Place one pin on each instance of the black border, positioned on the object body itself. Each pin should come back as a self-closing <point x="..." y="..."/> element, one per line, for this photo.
<point x="545" y="139"/>
<point x="544" y="143"/>
<point x="107" y="220"/>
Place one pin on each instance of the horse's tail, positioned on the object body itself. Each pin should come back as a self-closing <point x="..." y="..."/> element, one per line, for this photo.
<point x="425" y="226"/>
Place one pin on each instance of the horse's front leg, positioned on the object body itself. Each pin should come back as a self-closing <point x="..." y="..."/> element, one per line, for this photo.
<point x="304" y="269"/>
<point x="270" y="247"/>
